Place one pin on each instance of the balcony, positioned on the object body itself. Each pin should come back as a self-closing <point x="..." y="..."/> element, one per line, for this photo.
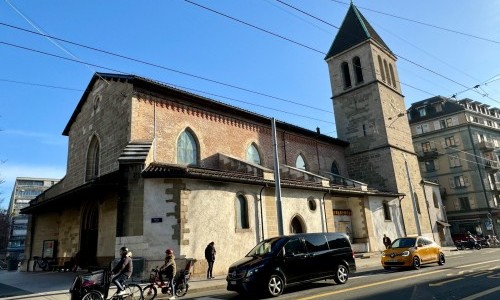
<point x="486" y="146"/>
<point x="491" y="166"/>
<point x="430" y="154"/>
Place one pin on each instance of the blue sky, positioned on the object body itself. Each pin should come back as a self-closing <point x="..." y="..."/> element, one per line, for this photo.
<point x="39" y="91"/>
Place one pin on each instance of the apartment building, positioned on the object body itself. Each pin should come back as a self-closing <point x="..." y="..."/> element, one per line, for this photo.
<point x="25" y="189"/>
<point x="457" y="142"/>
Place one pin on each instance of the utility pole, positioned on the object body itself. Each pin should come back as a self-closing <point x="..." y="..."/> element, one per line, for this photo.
<point x="277" y="178"/>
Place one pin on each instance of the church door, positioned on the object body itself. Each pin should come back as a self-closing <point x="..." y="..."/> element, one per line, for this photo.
<point x="88" y="237"/>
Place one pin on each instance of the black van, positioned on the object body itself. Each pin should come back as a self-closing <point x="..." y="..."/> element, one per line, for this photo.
<point x="289" y="260"/>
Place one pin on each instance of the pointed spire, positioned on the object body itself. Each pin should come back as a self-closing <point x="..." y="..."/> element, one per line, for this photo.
<point x="354" y="30"/>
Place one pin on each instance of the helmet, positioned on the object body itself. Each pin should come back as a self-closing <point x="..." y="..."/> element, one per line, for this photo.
<point x="123" y="249"/>
<point x="169" y="251"/>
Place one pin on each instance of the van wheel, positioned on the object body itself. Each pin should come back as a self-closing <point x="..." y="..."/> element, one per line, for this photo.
<point x="275" y="285"/>
<point x="441" y="260"/>
<point x="341" y="274"/>
<point x="416" y="263"/>
<point x="387" y="268"/>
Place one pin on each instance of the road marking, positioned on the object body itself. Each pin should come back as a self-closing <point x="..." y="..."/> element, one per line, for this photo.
<point x="391" y="280"/>
<point x="483" y="293"/>
<point x="481" y="273"/>
<point x="445" y="282"/>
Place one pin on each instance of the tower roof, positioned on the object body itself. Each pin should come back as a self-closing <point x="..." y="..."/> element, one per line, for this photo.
<point x="354" y="30"/>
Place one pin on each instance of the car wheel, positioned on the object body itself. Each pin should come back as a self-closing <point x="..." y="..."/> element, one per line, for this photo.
<point x="441" y="259"/>
<point x="341" y="274"/>
<point x="387" y="268"/>
<point x="275" y="285"/>
<point x="416" y="263"/>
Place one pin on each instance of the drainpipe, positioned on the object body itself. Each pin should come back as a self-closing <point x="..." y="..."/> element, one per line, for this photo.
<point x="402" y="217"/>
<point x="479" y="171"/>
<point x="284" y="147"/>
<point x="324" y="210"/>
<point x="261" y="213"/>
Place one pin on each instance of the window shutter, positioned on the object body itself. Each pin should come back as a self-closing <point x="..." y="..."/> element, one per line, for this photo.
<point x="457" y="141"/>
<point x="466" y="181"/>
<point x="418" y="129"/>
<point x="425" y="127"/>
<point x="436" y="164"/>
<point x="452" y="183"/>
<point x="443" y="144"/>
<point x="436" y="125"/>
<point x="423" y="168"/>
<point x="454" y="120"/>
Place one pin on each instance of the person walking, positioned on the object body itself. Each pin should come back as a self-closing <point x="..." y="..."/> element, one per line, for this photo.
<point x="210" y="257"/>
<point x="387" y="241"/>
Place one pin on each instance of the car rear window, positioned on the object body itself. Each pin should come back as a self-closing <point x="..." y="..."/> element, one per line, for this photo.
<point x="403" y="243"/>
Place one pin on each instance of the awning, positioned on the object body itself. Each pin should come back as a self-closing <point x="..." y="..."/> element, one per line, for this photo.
<point x="443" y="223"/>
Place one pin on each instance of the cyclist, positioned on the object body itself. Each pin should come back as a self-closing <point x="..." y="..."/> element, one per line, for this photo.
<point x="168" y="269"/>
<point x="122" y="271"/>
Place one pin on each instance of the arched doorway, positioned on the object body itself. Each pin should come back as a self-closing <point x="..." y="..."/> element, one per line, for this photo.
<point x="89" y="232"/>
<point x="297" y="225"/>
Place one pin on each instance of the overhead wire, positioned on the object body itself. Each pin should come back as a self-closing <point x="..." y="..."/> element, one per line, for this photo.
<point x="166" y="68"/>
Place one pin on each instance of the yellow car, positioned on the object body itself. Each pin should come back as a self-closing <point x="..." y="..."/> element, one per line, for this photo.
<point x="412" y="252"/>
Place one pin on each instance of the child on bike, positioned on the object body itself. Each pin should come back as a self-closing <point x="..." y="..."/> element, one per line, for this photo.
<point x="168" y="269"/>
<point x="122" y="271"/>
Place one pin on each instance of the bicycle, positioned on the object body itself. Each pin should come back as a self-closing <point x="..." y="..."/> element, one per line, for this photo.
<point x="41" y="262"/>
<point x="181" y="283"/>
<point x="95" y="286"/>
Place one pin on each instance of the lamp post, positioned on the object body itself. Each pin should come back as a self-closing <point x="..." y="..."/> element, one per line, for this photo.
<point x="492" y="224"/>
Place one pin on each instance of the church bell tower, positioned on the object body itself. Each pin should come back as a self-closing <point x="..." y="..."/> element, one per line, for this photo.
<point x="370" y="114"/>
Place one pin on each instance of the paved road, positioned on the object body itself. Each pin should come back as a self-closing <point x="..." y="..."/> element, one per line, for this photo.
<point x="55" y="286"/>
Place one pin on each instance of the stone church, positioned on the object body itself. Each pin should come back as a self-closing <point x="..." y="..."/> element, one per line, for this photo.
<point x="154" y="167"/>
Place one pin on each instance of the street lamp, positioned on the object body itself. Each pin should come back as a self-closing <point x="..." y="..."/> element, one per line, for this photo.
<point x="492" y="224"/>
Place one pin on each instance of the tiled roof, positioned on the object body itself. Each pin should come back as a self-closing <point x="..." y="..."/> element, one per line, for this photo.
<point x="156" y="170"/>
<point x="354" y="30"/>
<point x="135" y="152"/>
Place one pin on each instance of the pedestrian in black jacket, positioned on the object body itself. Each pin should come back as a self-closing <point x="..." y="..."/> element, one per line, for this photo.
<point x="210" y="257"/>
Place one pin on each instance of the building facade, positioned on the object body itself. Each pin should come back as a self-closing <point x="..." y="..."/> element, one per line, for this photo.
<point x="25" y="189"/>
<point x="154" y="167"/>
<point x="458" y="147"/>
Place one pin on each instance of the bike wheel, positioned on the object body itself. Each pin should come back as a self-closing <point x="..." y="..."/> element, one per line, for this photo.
<point x="134" y="292"/>
<point x="149" y="292"/>
<point x="181" y="289"/>
<point x="93" y="295"/>
<point x="44" y="265"/>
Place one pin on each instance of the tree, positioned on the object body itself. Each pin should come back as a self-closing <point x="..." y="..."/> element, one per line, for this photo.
<point x="4" y="225"/>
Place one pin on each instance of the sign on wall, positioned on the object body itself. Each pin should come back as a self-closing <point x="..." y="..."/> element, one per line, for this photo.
<point x="342" y="212"/>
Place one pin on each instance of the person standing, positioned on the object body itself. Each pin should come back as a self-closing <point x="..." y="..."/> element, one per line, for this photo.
<point x="387" y="241"/>
<point x="210" y="257"/>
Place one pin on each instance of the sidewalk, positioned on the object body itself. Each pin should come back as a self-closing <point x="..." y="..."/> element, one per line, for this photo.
<point x="55" y="285"/>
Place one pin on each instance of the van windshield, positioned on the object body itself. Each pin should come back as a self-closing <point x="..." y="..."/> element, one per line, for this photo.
<point x="263" y="248"/>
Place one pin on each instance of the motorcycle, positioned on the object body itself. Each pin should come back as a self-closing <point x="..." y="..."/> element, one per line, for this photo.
<point x="468" y="244"/>
<point x="484" y="242"/>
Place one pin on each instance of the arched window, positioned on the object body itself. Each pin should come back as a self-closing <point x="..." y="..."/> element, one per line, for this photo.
<point x="241" y="212"/>
<point x="386" y="68"/>
<point x="187" y="149"/>
<point x="381" y="67"/>
<point x="416" y="202"/>
<point x="335" y="168"/>
<point x="435" y="199"/>
<point x="346" y="74"/>
<point x="387" y="211"/>
<point x="358" y="71"/>
<point x="296" y="225"/>
<point x="300" y="162"/>
<point x="393" y="80"/>
<point x="93" y="153"/>
<point x="253" y="155"/>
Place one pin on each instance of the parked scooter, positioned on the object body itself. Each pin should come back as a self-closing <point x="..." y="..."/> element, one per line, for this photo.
<point x="483" y="241"/>
<point x="471" y="243"/>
